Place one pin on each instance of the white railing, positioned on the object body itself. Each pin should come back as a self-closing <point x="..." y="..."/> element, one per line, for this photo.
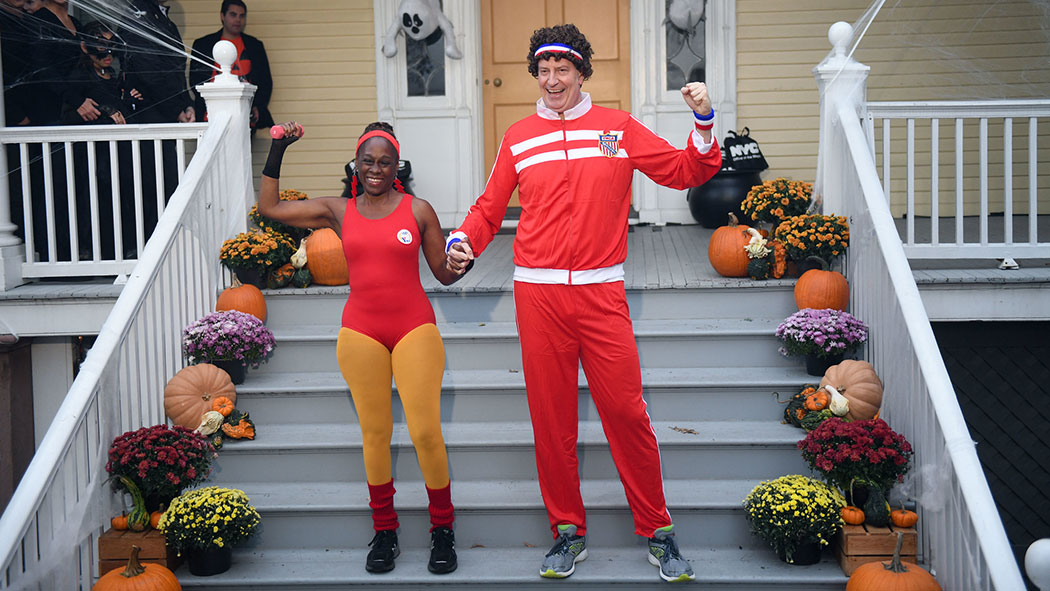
<point x="962" y="538"/>
<point x="981" y="184"/>
<point x="49" y="530"/>
<point x="91" y="194"/>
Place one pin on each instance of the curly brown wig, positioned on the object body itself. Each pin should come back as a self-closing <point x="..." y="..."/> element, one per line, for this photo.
<point x="567" y="35"/>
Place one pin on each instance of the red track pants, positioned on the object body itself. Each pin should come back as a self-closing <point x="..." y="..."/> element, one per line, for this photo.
<point x="561" y="326"/>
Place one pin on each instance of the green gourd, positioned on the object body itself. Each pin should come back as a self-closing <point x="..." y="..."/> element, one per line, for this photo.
<point x="876" y="508"/>
<point x="302" y="278"/>
<point x="759" y="268"/>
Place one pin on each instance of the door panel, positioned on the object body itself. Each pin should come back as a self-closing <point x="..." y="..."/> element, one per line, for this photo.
<point x="510" y="92"/>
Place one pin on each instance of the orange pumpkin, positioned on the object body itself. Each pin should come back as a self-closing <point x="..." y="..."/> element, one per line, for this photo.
<point x="190" y="392"/>
<point x="858" y="382"/>
<point x="821" y="288"/>
<point x="726" y="249"/>
<point x="243" y="298"/>
<point x="818" y="400"/>
<point x="904" y="518"/>
<point x="325" y="259"/>
<point x="138" y="576"/>
<point x="222" y="405"/>
<point x="852" y="515"/>
<point x="892" y="575"/>
<point x="120" y="522"/>
<point x="154" y="519"/>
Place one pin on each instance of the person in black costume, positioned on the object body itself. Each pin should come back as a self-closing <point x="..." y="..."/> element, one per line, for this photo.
<point x="251" y="64"/>
<point x="14" y="46"/>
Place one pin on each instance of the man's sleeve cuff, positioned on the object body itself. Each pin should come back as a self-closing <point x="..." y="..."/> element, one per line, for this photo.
<point x="453" y="238"/>
<point x="699" y="143"/>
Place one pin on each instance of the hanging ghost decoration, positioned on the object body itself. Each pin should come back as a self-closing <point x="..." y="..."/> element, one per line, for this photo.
<point x="684" y="14"/>
<point x="420" y="19"/>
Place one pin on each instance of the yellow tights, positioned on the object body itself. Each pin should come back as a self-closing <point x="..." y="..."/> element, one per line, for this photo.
<point x="417" y="365"/>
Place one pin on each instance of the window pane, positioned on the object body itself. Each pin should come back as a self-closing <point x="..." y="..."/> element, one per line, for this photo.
<point x="684" y="28"/>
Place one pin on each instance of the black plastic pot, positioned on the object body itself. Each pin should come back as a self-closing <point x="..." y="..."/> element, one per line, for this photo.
<point x="712" y="202"/>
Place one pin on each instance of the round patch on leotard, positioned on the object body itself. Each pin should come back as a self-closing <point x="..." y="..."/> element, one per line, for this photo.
<point x="404" y="236"/>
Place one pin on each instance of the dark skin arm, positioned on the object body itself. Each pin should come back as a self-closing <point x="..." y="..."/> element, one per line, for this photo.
<point x="434" y="242"/>
<point x="323" y="212"/>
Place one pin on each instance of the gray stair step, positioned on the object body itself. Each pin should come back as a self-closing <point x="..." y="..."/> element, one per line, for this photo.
<point x="486" y="345"/>
<point x="504" y="450"/>
<point x="490" y="513"/>
<point x="719" y="298"/>
<point x="499" y="394"/>
<point x="718" y="569"/>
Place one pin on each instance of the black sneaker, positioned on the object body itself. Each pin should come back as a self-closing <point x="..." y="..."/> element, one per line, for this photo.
<point x="442" y="551"/>
<point x="384" y="551"/>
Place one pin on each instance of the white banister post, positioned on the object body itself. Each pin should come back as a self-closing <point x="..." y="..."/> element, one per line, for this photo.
<point x="840" y="79"/>
<point x="12" y="251"/>
<point x="1037" y="563"/>
<point x="227" y="95"/>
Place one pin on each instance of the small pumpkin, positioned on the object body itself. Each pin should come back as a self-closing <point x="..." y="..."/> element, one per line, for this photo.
<point x="120" y="522"/>
<point x="280" y="277"/>
<point x="904" y="518"/>
<point x="892" y="575"/>
<point x="725" y="250"/>
<point x="242" y="430"/>
<point x="302" y="278"/>
<point x="818" y="400"/>
<point x="154" y="519"/>
<point x="852" y="515"/>
<point x="243" y="298"/>
<point x="325" y="258"/>
<point x="796" y="407"/>
<point x="222" y="405"/>
<point x="190" y="392"/>
<point x="821" y="288"/>
<point x="138" y="576"/>
<point x="859" y="384"/>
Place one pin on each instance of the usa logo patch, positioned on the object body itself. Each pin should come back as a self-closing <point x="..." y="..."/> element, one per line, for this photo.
<point x="609" y="144"/>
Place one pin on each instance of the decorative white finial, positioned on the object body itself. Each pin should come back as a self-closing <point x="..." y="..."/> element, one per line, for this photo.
<point x="839" y="34"/>
<point x="1037" y="563"/>
<point x="225" y="52"/>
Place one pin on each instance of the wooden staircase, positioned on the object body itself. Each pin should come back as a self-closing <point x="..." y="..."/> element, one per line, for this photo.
<point x="710" y="367"/>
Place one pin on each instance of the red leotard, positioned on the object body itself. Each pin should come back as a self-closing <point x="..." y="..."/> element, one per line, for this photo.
<point x="386" y="298"/>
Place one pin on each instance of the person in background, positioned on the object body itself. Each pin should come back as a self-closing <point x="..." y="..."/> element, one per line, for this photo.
<point x="54" y="52"/>
<point x="14" y="46"/>
<point x="573" y="163"/>
<point x="251" y="63"/>
<point x="157" y="57"/>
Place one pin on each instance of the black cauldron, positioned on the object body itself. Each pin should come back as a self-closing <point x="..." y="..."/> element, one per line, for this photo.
<point x="712" y="202"/>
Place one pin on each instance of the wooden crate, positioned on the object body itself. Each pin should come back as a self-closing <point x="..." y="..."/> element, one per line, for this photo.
<point x="860" y="544"/>
<point x="114" y="549"/>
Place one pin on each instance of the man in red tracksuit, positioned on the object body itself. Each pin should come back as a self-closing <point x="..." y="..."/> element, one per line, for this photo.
<point x="573" y="163"/>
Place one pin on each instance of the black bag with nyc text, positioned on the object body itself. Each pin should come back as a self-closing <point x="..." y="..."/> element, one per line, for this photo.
<point x="742" y="152"/>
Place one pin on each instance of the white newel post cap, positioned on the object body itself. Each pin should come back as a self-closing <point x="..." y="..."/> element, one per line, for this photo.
<point x="225" y="53"/>
<point x="839" y="34"/>
<point x="1037" y="563"/>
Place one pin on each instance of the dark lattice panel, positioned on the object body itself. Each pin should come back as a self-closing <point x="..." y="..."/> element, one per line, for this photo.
<point x="1001" y="374"/>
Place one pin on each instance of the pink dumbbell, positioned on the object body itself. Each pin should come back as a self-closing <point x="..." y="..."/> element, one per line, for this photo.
<point x="277" y="132"/>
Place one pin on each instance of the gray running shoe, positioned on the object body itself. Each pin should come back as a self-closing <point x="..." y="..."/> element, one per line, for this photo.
<point x="663" y="552"/>
<point x="567" y="550"/>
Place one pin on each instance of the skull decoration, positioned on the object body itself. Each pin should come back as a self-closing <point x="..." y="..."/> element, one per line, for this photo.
<point x="419" y="19"/>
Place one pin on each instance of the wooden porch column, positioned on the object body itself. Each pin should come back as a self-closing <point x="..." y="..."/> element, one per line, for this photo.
<point x="16" y="416"/>
<point x="841" y="80"/>
<point x="12" y="251"/>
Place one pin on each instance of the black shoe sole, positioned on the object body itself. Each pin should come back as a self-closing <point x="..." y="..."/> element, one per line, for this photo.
<point x="442" y="569"/>
<point x="382" y="568"/>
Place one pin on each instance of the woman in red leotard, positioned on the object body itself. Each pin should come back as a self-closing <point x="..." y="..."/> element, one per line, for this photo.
<point x="388" y="328"/>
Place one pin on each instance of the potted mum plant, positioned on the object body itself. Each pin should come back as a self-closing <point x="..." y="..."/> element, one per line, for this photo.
<point x="267" y="225"/>
<point x="813" y="235"/>
<point x="778" y="199"/>
<point x="229" y="340"/>
<point x="823" y="336"/>
<point x="251" y="255"/>
<point x="155" y="464"/>
<point x="205" y="524"/>
<point x="865" y="457"/>
<point x="796" y="515"/>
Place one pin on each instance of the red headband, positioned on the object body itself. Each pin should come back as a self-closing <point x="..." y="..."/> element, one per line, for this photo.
<point x="378" y="133"/>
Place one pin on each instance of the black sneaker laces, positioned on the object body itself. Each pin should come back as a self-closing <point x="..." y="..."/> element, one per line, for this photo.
<point x="442" y="538"/>
<point x="384" y="539"/>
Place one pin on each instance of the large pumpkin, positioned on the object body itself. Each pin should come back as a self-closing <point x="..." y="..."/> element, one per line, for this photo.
<point x="243" y="298"/>
<point x="189" y="393"/>
<point x="821" y="288"/>
<point x="892" y="575"/>
<point x="858" y="382"/>
<point x="726" y="249"/>
<point x="138" y="577"/>
<point x="325" y="259"/>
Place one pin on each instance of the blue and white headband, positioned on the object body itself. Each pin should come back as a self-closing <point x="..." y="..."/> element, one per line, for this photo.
<point x="557" y="48"/>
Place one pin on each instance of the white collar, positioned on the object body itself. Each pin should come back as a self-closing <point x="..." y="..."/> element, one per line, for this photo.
<point x="576" y="112"/>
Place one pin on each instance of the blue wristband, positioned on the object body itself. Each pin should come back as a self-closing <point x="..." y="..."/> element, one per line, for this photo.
<point x="704" y="118"/>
